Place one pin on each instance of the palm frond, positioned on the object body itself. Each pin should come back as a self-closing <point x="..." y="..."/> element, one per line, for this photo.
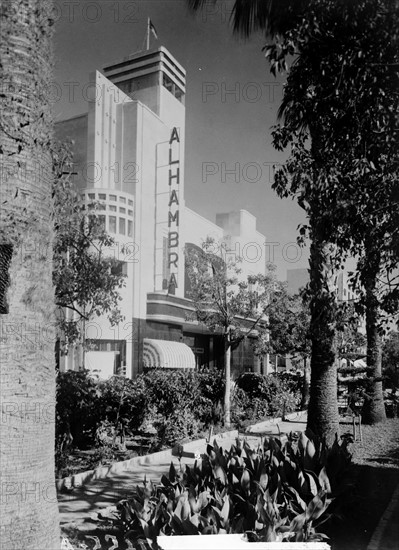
<point x="248" y="16"/>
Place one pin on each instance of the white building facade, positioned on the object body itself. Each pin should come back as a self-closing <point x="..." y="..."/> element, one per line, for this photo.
<point x="129" y="155"/>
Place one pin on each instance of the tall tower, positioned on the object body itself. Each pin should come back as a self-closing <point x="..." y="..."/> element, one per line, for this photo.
<point x="131" y="154"/>
<point x="153" y="77"/>
<point x="156" y="79"/>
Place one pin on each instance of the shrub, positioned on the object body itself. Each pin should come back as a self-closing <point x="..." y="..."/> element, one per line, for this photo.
<point x="391" y="401"/>
<point x="62" y="465"/>
<point x="77" y="407"/>
<point x="245" y="409"/>
<point x="274" y="492"/>
<point x="284" y="402"/>
<point x="272" y="395"/>
<point x="182" y="424"/>
<point x="124" y="400"/>
<point x="391" y="391"/>
<point x="240" y="407"/>
<point x="293" y="381"/>
<point x="168" y="390"/>
<point x="106" y="442"/>
<point x="260" y="409"/>
<point x="175" y="405"/>
<point x="258" y="386"/>
<point x="391" y="378"/>
<point x="209" y="402"/>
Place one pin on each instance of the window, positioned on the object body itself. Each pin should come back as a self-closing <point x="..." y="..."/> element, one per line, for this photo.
<point x="112" y="224"/>
<point x="167" y="82"/>
<point x="129" y="228"/>
<point x="130" y="212"/>
<point x="112" y="207"/>
<point x="112" y="197"/>
<point x="102" y="196"/>
<point x="101" y="206"/>
<point x="118" y="346"/>
<point x="122" y="226"/>
<point x="172" y="87"/>
<point x="122" y="210"/>
<point x="130" y="202"/>
<point x="122" y="199"/>
<point x="102" y="221"/>
<point x="179" y="94"/>
<point x="91" y="196"/>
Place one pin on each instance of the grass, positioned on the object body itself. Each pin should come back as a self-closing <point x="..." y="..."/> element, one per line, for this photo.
<point x="380" y="445"/>
<point x="375" y="472"/>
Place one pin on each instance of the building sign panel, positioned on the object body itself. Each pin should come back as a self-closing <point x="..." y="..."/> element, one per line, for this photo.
<point x="173" y="205"/>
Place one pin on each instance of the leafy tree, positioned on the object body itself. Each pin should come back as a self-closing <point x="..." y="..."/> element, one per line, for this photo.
<point x="390" y="360"/>
<point x="87" y="278"/>
<point x="342" y="52"/>
<point x="226" y="302"/>
<point x="288" y="324"/>
<point x="391" y="351"/>
<point x="29" y="512"/>
<point x="350" y="342"/>
<point x="351" y="165"/>
<point x="369" y="172"/>
<point x="294" y="29"/>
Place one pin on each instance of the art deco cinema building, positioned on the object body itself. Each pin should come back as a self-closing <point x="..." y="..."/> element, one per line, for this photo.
<point x="129" y="155"/>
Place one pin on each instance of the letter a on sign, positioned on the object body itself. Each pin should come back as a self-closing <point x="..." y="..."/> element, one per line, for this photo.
<point x="173" y="281"/>
<point x="173" y="198"/>
<point x="174" y="136"/>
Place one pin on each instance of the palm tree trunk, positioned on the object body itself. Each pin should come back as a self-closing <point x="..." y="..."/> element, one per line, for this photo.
<point x="29" y="517"/>
<point x="374" y="408"/>
<point x="323" y="418"/>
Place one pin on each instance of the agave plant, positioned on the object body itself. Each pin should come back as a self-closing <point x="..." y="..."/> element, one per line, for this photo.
<point x="273" y="492"/>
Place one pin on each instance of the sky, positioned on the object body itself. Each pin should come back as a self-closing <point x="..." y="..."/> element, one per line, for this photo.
<point x="231" y="103"/>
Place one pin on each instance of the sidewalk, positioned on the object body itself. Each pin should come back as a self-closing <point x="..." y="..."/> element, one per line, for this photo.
<point x="295" y="422"/>
<point x="77" y="505"/>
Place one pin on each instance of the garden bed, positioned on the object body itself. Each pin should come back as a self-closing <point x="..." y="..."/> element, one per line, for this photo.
<point x="175" y="406"/>
<point x="80" y="460"/>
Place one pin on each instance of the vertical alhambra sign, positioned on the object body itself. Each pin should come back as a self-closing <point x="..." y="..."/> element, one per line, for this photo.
<point x="173" y="206"/>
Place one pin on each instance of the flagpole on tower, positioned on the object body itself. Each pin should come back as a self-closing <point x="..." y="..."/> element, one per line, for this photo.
<point x="148" y="32"/>
<point x="150" y="29"/>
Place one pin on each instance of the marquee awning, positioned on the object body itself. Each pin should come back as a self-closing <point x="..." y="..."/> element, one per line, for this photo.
<point x="163" y="354"/>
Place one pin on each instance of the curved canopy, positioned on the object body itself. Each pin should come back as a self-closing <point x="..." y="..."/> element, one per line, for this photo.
<point x="163" y="354"/>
